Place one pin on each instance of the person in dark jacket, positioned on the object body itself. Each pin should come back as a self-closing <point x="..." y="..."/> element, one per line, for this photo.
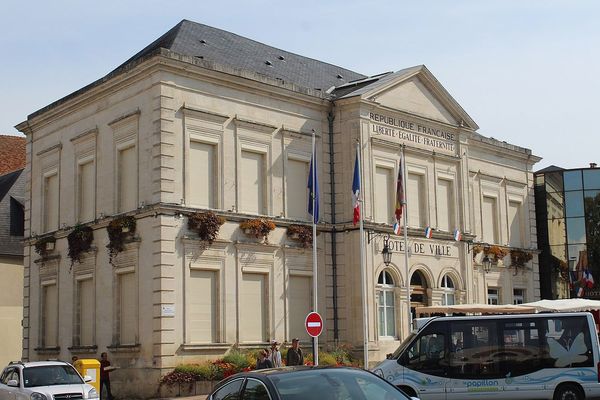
<point x="105" y="369"/>
<point x="294" y="354"/>
<point x="263" y="360"/>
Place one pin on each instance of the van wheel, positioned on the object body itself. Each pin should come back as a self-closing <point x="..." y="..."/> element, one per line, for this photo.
<point x="408" y="390"/>
<point x="568" y="391"/>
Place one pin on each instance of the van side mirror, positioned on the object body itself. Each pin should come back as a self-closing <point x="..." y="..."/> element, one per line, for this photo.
<point x="13" y="383"/>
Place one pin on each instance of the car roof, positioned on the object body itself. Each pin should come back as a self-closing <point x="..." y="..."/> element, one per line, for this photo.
<point x="30" y="364"/>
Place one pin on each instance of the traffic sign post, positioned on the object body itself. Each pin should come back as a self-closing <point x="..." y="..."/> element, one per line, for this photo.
<point x="314" y="326"/>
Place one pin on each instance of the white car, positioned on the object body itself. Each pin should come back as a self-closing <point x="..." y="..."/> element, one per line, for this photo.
<point x="44" y="380"/>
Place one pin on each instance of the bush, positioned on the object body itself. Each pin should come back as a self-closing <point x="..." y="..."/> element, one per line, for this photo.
<point x="327" y="359"/>
<point x="237" y="358"/>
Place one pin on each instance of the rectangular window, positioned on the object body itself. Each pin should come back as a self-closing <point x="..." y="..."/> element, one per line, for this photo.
<point x="300" y="295"/>
<point x="51" y="198"/>
<point x="445" y="203"/>
<point x="493" y="296"/>
<point x="518" y="296"/>
<point x="474" y="337"/>
<point x="86" y="187"/>
<point x="490" y="220"/>
<point x="415" y="200"/>
<point x="252" y="183"/>
<point x="202" y="306"/>
<point x="384" y="201"/>
<point x="296" y="192"/>
<point x="386" y="311"/>
<point x="202" y="175"/>
<point x="86" y="311"/>
<point x="17" y="218"/>
<point x="127" y="179"/>
<point x="253" y="308"/>
<point x="128" y="317"/>
<point x="515" y="223"/>
<point x="50" y="315"/>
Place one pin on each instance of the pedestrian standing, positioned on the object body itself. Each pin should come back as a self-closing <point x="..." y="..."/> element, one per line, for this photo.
<point x="263" y="360"/>
<point x="275" y="355"/>
<point x="105" y="370"/>
<point x="294" y="354"/>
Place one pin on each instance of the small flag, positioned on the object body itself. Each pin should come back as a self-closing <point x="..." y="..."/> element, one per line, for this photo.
<point x="356" y="192"/>
<point x="399" y="193"/>
<point x="428" y="232"/>
<point x="588" y="279"/>
<point x="313" y="192"/>
<point x="573" y="279"/>
<point x="397" y="228"/>
<point x="457" y="235"/>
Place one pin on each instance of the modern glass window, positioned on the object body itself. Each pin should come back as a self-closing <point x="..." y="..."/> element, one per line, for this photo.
<point x="574" y="204"/>
<point x="296" y="194"/>
<point x="576" y="230"/>
<point x="490" y="220"/>
<point x="416" y="200"/>
<point x="384" y="202"/>
<point x="591" y="178"/>
<point x="445" y="204"/>
<point x="448" y="287"/>
<point x="386" y="304"/>
<point x="202" y="175"/>
<point x="554" y="182"/>
<point x="493" y="296"/>
<point x="572" y="180"/>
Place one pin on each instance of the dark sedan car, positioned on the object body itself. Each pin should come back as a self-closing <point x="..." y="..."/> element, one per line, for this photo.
<point x="299" y="383"/>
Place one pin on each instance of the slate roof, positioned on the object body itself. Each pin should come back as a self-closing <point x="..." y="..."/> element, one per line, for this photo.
<point x="216" y="45"/>
<point x="12" y="153"/>
<point x="12" y="186"/>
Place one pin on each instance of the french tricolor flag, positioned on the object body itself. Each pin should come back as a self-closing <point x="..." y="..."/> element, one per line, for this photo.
<point x="428" y="232"/>
<point x="397" y="228"/>
<point x="356" y="192"/>
<point x="457" y="235"/>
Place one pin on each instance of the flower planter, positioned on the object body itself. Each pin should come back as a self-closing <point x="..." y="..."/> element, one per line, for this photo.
<point x="205" y="387"/>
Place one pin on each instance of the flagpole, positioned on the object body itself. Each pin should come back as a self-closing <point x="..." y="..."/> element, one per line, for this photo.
<point x="404" y="222"/>
<point x="363" y="274"/>
<point x="314" y="232"/>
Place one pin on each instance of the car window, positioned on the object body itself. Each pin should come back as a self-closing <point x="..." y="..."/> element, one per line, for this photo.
<point x="5" y="375"/>
<point x="13" y="375"/>
<point x="230" y="391"/>
<point x="255" y="390"/>
<point x="50" y="375"/>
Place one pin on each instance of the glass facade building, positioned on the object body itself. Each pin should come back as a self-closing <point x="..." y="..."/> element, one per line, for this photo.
<point x="568" y="228"/>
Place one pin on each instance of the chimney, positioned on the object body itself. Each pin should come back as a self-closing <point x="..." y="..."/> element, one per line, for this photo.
<point x="592" y="165"/>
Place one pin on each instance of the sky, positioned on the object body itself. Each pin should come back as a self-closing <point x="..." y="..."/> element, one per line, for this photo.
<point x="525" y="70"/>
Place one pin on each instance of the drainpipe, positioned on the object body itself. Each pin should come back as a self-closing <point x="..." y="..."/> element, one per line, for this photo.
<point x="330" y="118"/>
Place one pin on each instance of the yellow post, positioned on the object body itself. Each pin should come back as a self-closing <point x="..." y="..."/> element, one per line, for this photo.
<point x="91" y="368"/>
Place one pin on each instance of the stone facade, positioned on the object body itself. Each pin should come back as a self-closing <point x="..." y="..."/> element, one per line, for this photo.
<point x="170" y="135"/>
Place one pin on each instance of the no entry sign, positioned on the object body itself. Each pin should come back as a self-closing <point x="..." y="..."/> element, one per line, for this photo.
<point x="314" y="324"/>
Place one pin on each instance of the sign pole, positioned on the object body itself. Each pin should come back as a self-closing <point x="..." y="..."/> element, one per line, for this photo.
<point x="314" y="232"/>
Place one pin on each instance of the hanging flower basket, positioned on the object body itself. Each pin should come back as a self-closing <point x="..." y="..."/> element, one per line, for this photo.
<point x="44" y="246"/>
<point x="518" y="258"/>
<point x="119" y="230"/>
<point x="301" y="233"/>
<point x="206" y="225"/>
<point x="80" y="240"/>
<point x="259" y="227"/>
<point x="496" y="252"/>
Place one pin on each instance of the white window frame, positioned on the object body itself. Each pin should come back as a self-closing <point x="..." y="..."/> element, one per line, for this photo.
<point x="383" y="289"/>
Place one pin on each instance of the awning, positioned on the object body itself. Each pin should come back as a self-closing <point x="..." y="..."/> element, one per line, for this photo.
<point x="565" y="305"/>
<point x="477" y="309"/>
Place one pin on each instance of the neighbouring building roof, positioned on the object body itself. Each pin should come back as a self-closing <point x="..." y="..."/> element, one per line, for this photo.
<point x="12" y="153"/>
<point x="12" y="192"/>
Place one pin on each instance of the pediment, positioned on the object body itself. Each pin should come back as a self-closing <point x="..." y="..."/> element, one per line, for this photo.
<point x="416" y="91"/>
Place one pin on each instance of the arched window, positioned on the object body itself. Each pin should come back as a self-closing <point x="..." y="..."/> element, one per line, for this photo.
<point x="386" y="304"/>
<point x="448" y="287"/>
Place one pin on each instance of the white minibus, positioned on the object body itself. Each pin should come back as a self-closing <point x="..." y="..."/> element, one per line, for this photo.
<point x="525" y="356"/>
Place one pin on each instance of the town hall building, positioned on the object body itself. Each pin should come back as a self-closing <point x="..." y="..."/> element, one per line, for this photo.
<point x="205" y="129"/>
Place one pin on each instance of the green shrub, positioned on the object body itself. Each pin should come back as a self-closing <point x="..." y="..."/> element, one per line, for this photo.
<point x="237" y="358"/>
<point x="327" y="359"/>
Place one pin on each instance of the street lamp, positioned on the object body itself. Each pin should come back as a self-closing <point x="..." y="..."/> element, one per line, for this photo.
<point x="386" y="253"/>
<point x="487" y="263"/>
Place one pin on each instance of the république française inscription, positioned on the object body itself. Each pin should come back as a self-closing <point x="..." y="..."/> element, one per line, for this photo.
<point x="426" y="248"/>
<point x="408" y="131"/>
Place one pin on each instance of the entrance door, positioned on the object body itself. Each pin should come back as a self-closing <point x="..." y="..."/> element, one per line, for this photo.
<point x="418" y="293"/>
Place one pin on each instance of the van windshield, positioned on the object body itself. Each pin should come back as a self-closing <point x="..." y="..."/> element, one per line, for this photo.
<point x="403" y="346"/>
